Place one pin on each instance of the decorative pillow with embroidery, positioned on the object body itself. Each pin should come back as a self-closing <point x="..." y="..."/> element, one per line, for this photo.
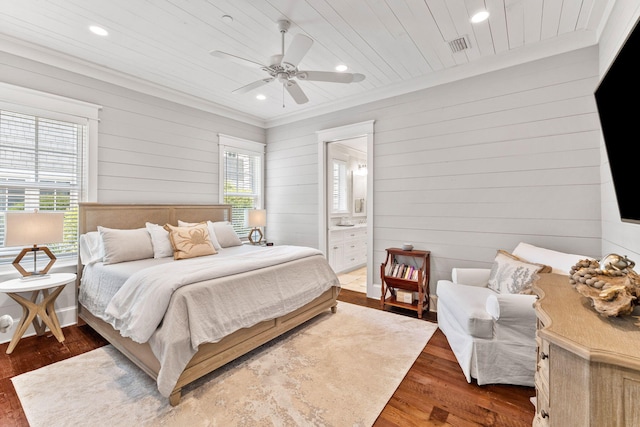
<point x="212" y="233"/>
<point x="190" y="242"/>
<point x="509" y="275"/>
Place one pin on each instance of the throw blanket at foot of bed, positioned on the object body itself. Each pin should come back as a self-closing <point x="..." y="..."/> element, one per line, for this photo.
<point x="155" y="305"/>
<point x="137" y="309"/>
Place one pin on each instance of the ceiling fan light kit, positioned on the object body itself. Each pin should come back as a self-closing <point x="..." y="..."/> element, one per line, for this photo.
<point x="283" y="67"/>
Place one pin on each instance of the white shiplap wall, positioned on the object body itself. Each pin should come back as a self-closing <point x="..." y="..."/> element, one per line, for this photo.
<point x="149" y="150"/>
<point x="464" y="168"/>
<point x="617" y="236"/>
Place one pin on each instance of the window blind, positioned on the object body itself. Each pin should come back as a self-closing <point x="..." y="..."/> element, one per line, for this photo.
<point x="41" y="167"/>
<point x="242" y="185"/>
<point x="339" y="193"/>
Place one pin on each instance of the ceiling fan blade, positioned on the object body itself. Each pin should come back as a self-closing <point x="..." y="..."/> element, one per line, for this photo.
<point x="298" y="48"/>
<point x="296" y="92"/>
<point x="236" y="59"/>
<point x="254" y="85"/>
<point x="330" y="76"/>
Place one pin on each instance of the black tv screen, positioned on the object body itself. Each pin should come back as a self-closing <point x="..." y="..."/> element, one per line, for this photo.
<point x="617" y="98"/>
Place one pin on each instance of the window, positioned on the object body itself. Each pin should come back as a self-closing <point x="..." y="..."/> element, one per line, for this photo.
<point x="47" y="160"/>
<point x="241" y="178"/>
<point x="340" y="189"/>
<point x="41" y="168"/>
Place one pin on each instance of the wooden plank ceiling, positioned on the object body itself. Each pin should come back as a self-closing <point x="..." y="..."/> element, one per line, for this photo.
<point x="400" y="45"/>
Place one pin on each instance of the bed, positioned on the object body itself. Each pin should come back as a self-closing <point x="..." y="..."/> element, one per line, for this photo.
<point x="188" y="343"/>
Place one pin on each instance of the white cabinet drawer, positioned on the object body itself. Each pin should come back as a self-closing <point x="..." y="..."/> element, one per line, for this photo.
<point x="347" y="248"/>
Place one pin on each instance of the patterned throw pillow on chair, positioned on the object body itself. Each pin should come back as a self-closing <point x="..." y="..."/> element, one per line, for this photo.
<point x="511" y="275"/>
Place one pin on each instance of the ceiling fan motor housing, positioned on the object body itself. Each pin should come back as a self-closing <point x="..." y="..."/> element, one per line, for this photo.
<point x="281" y="70"/>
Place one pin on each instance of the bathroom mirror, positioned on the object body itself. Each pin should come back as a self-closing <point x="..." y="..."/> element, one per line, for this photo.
<point x="359" y="194"/>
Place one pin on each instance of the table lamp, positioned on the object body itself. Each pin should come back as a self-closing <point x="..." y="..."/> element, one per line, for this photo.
<point x="33" y="228"/>
<point x="256" y="218"/>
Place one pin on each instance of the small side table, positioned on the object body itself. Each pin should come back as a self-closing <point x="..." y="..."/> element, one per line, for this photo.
<point x="31" y="309"/>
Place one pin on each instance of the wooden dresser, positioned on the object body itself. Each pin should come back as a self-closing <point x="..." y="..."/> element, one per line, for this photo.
<point x="588" y="371"/>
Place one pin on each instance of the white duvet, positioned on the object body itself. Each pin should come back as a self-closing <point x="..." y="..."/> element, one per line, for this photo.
<point x="137" y="309"/>
<point x="225" y="293"/>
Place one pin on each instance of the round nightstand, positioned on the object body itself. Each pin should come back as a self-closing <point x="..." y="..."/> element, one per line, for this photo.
<point x="31" y="309"/>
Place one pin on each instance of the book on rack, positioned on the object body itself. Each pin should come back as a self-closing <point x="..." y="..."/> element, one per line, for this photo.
<point x="388" y="269"/>
<point x="408" y="272"/>
<point x="400" y="271"/>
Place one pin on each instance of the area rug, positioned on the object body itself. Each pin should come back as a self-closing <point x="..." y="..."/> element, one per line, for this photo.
<point x="335" y="370"/>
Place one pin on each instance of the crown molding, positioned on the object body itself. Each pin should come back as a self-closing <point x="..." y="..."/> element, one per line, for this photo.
<point x="546" y="48"/>
<point x="73" y="64"/>
<point x="561" y="44"/>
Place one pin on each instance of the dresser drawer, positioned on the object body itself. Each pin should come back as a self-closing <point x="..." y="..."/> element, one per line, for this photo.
<point x="542" y="416"/>
<point x="543" y="361"/>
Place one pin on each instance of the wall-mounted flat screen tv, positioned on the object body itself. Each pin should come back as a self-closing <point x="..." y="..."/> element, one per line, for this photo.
<point x="618" y="100"/>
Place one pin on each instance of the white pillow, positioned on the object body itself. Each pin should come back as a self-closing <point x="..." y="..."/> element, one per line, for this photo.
<point x="91" y="248"/>
<point x="226" y="234"/>
<point x="125" y="245"/>
<point x="560" y="262"/>
<point x="512" y="276"/>
<point x="212" y="233"/>
<point x="160" y="240"/>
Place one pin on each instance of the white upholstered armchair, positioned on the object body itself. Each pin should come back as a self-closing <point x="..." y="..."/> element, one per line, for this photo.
<point x="488" y="317"/>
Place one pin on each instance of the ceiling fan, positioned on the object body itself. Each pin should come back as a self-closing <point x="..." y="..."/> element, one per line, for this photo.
<point x="284" y="67"/>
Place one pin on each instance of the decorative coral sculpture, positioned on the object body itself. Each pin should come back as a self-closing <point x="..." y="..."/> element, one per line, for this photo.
<point x="611" y="284"/>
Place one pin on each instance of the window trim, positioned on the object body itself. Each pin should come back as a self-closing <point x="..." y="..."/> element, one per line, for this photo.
<point x="47" y="105"/>
<point x="29" y="101"/>
<point x="242" y="146"/>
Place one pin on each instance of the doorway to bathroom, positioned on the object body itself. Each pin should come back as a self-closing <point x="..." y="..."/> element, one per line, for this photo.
<point x="346" y="186"/>
<point x="346" y="203"/>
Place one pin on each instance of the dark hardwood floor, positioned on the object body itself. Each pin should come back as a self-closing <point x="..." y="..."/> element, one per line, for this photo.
<point x="433" y="393"/>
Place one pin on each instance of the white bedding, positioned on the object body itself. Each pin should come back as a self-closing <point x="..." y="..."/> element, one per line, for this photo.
<point x="138" y="307"/>
<point x="237" y="288"/>
<point x="101" y="282"/>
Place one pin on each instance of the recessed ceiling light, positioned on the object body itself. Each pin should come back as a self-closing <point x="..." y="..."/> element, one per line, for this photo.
<point x="227" y="18"/>
<point x="261" y="97"/>
<point x="98" y="30"/>
<point x="341" y="67"/>
<point x="480" y="16"/>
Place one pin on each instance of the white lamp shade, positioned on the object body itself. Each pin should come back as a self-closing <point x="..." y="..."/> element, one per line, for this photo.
<point x="33" y="228"/>
<point x="256" y="217"/>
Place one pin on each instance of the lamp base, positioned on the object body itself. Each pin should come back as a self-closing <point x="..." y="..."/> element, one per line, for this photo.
<point x="35" y="249"/>
<point x="260" y="236"/>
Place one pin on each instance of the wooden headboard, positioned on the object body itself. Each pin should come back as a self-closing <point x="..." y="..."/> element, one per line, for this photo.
<point x="127" y="216"/>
